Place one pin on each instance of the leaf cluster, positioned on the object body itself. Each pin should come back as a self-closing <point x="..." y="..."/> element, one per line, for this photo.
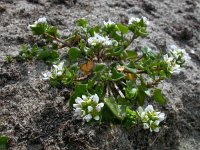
<point x="43" y="54"/>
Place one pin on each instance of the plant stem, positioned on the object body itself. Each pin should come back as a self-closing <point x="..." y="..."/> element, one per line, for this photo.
<point x="82" y="78"/>
<point x="138" y="59"/>
<point x="118" y="90"/>
<point x="65" y="44"/>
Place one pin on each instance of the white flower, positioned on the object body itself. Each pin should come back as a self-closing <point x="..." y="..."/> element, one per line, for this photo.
<point x="90" y="108"/>
<point x="140" y="109"/>
<point x="150" y="118"/>
<point x="156" y="129"/>
<point x="178" y="52"/>
<point x="168" y="59"/>
<point x="77" y="112"/>
<point x="58" y="68"/>
<point x="84" y="97"/>
<point x="107" y="41"/>
<point x="172" y="67"/>
<point x="108" y="23"/>
<point x="145" y="126"/>
<point x="96" y="117"/>
<point x="143" y="115"/>
<point x="133" y="19"/>
<point x="87" y="117"/>
<point x="149" y="108"/>
<point x="161" y="116"/>
<point x="42" y="20"/>
<point x="95" y="98"/>
<point x="145" y="20"/>
<point x="76" y="105"/>
<point x="157" y="122"/>
<point x="47" y="75"/>
<point x="79" y="100"/>
<point x="176" y="69"/>
<point x="98" y="39"/>
<point x="99" y="107"/>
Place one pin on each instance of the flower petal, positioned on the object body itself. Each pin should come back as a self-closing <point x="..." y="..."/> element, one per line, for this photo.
<point x="90" y="108"/>
<point x="95" y="98"/>
<point x="145" y="126"/>
<point x="96" y="117"/>
<point x="78" y="100"/>
<point x="76" y="105"/>
<point x="140" y="109"/>
<point x="161" y="116"/>
<point x="99" y="106"/>
<point x="87" y="117"/>
<point x="156" y="129"/>
<point x="84" y="97"/>
<point x="149" y="108"/>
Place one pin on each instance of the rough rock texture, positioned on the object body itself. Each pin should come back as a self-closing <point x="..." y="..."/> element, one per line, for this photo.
<point x="33" y="114"/>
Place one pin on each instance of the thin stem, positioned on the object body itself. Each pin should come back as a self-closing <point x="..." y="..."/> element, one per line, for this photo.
<point x="65" y="44"/>
<point x="138" y="59"/>
<point x="107" y="90"/>
<point x="131" y="40"/>
<point x="118" y="90"/>
<point x="82" y="78"/>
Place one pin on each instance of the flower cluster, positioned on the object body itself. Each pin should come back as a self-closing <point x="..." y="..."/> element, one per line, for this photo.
<point x="98" y="39"/>
<point x="56" y="71"/>
<point x="133" y="19"/>
<point x="108" y="23"/>
<point x="39" y="21"/>
<point x="88" y="107"/>
<point x="150" y="118"/>
<point x="175" y="58"/>
<point x="179" y="53"/>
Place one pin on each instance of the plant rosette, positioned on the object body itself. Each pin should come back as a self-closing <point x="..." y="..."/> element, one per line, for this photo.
<point x="98" y="59"/>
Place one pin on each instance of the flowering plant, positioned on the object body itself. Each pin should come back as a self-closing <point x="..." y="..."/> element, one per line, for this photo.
<point x="88" y="107"/>
<point x="107" y="79"/>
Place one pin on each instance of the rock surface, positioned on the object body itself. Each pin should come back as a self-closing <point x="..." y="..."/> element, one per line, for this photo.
<point x="33" y="115"/>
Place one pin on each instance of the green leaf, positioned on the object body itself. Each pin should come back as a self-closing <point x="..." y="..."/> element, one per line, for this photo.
<point x="82" y="22"/>
<point x="131" y="54"/>
<point x="117" y="51"/>
<point x="26" y="53"/>
<point x="99" y="89"/>
<point x="118" y="110"/>
<point x="80" y="89"/>
<point x="99" y="68"/>
<point x="146" y="51"/>
<point x="3" y="142"/>
<point x="39" y="29"/>
<point x="48" y="55"/>
<point x="51" y="30"/>
<point x="117" y="75"/>
<point x="141" y="96"/>
<point x="34" y="50"/>
<point x="122" y="28"/>
<point x="131" y="70"/>
<point x="74" y="54"/>
<point x="139" y="29"/>
<point x="158" y="96"/>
